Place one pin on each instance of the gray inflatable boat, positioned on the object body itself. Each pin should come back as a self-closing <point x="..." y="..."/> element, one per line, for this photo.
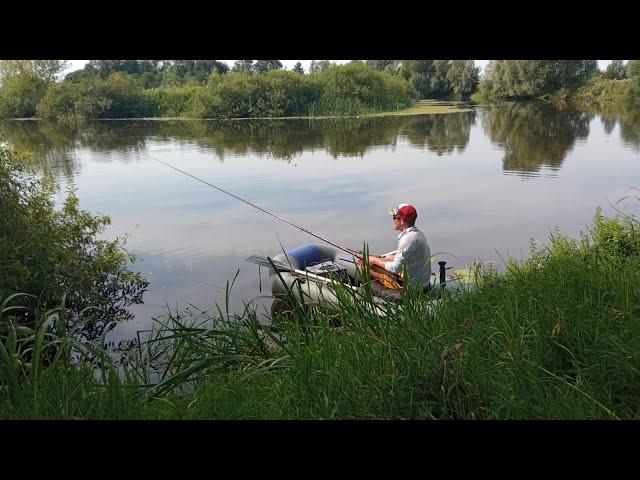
<point x="314" y="270"/>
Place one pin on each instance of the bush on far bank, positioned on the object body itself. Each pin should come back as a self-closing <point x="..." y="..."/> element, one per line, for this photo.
<point x="344" y="89"/>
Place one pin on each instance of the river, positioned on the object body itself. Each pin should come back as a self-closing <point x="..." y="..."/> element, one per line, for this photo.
<point x="485" y="183"/>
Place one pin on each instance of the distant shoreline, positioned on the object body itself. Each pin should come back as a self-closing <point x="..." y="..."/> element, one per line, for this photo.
<point x="420" y="109"/>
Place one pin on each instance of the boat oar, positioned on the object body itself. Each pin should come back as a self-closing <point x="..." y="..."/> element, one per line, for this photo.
<point x="281" y="267"/>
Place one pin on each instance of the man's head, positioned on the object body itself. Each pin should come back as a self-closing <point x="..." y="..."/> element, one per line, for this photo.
<point x="404" y="216"/>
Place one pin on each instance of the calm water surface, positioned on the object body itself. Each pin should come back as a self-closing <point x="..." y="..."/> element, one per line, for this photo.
<point x="484" y="182"/>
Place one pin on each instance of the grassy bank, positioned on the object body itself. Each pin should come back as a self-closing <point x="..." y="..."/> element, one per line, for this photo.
<point x="422" y="107"/>
<point x="604" y="93"/>
<point x="554" y="337"/>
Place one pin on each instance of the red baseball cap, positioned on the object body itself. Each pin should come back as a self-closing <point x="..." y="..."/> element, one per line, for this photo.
<point x="404" y="212"/>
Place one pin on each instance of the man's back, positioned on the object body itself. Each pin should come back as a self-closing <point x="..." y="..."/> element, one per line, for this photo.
<point x="413" y="251"/>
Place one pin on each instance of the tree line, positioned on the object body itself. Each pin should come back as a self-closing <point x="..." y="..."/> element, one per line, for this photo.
<point x="263" y="88"/>
<point x="212" y="89"/>
<point x="527" y="79"/>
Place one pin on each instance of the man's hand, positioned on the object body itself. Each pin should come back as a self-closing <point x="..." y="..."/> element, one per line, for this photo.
<point x="376" y="261"/>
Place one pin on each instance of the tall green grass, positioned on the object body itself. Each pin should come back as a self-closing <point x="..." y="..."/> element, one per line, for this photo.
<point x="554" y="337"/>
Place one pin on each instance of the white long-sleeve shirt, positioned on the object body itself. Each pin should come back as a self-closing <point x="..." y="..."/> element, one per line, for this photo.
<point x="413" y="250"/>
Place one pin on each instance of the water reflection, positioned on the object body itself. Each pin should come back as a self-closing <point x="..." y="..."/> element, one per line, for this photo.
<point x="534" y="135"/>
<point x="54" y="143"/>
<point x="442" y="134"/>
<point x="630" y="130"/>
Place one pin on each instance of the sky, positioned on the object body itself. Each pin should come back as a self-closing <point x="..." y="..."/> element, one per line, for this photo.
<point x="288" y="64"/>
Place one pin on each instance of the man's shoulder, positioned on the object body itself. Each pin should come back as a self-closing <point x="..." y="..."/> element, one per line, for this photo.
<point x="415" y="232"/>
<point x="412" y="236"/>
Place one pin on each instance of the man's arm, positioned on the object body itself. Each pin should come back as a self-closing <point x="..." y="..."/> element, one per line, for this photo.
<point x="380" y="261"/>
<point x="390" y="263"/>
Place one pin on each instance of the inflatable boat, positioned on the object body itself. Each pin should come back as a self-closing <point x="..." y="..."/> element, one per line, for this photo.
<point x="311" y="272"/>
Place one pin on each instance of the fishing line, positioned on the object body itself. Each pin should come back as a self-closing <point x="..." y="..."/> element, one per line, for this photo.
<point x="351" y="252"/>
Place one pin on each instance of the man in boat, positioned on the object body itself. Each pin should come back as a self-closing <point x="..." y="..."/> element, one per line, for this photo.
<point x="412" y="260"/>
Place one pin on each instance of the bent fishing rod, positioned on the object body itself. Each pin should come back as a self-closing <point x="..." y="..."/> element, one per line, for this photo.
<point x="348" y="250"/>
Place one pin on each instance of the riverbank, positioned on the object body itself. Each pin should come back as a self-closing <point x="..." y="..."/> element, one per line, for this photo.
<point x="423" y="107"/>
<point x="555" y="337"/>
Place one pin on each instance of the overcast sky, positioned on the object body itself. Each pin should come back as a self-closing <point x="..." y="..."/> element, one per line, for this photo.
<point x="288" y="64"/>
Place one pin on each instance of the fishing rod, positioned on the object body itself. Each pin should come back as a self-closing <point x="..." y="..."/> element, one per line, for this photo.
<point x="348" y="250"/>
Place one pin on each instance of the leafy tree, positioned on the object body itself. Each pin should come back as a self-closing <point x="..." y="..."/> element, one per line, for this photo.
<point x="104" y="68"/>
<point x="87" y="98"/>
<point x="20" y="94"/>
<point x="633" y="93"/>
<point x="440" y="87"/>
<point x="615" y="71"/>
<point x="196" y="71"/>
<point x="533" y="78"/>
<point x="117" y="96"/>
<point x="463" y="77"/>
<point x="420" y="74"/>
<point x="353" y="88"/>
<point x="633" y="68"/>
<point x="243" y="66"/>
<point x="389" y="66"/>
<point x="298" y="68"/>
<point x="23" y="83"/>
<point x="79" y="75"/>
<point x="319" y="66"/>
<point x="262" y="66"/>
<point x="47" y="70"/>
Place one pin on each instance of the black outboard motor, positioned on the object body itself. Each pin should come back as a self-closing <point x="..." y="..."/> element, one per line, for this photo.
<point x="443" y="281"/>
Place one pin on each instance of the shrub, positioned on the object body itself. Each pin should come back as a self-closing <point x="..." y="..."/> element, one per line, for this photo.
<point x="117" y="96"/>
<point x="20" y="95"/>
<point x="54" y="254"/>
<point x="171" y="101"/>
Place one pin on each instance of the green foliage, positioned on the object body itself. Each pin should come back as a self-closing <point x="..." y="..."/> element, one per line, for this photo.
<point x="47" y="70"/>
<point x="243" y="66"/>
<point x="20" y="94"/>
<point x="117" y="96"/>
<point x="633" y="68"/>
<point x="463" y="78"/>
<point x="349" y="89"/>
<point x="126" y="97"/>
<point x="514" y="79"/>
<point x="85" y="99"/>
<point x="616" y="70"/>
<point x="354" y="88"/>
<point x="633" y="94"/>
<point x="262" y="66"/>
<point x="152" y="73"/>
<point x="171" y="101"/>
<point x="197" y="72"/>
<point x="23" y="83"/>
<point x="203" y="89"/>
<point x="298" y="68"/>
<point x="319" y="66"/>
<point x="441" y="78"/>
<point x="276" y="93"/>
<point x="603" y="92"/>
<point x="389" y="66"/>
<point x="617" y="238"/>
<point x="57" y="254"/>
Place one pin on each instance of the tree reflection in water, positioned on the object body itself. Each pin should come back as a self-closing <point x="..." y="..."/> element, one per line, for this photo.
<point x="534" y="135"/>
<point x="441" y="134"/>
